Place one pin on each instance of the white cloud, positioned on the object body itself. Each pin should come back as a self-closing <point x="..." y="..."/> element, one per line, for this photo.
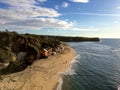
<point x="80" y="1"/>
<point x="56" y="7"/>
<point x="25" y="14"/>
<point x="27" y="8"/>
<point x="116" y="22"/>
<point x="98" y="14"/>
<point x="84" y="29"/>
<point x="118" y="7"/>
<point x="36" y="23"/>
<point x="65" y="4"/>
<point x="41" y="0"/>
<point x="42" y="23"/>
<point x="17" y="3"/>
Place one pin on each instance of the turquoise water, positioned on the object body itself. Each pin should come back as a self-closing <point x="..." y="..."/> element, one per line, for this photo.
<point x="96" y="67"/>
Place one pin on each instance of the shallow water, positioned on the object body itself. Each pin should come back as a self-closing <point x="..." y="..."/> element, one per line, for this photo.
<point x="96" y="67"/>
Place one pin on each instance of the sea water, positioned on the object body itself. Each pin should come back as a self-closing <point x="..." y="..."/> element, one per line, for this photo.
<point x="95" y="67"/>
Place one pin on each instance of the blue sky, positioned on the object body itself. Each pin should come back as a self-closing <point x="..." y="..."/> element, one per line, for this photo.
<point x="92" y="18"/>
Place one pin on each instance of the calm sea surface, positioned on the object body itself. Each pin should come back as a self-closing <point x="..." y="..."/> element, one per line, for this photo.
<point x="96" y="66"/>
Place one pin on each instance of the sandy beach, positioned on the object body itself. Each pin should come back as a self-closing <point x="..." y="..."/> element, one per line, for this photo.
<point x="41" y="75"/>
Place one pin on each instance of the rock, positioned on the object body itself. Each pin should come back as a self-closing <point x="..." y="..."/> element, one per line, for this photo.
<point x="4" y="65"/>
<point x="21" y="56"/>
<point x="53" y="53"/>
<point x="14" y="58"/>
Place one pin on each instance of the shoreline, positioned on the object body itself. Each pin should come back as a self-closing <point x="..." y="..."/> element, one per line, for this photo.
<point x="41" y="75"/>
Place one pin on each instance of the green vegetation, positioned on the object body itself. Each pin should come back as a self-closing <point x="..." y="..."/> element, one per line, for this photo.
<point x="13" y="43"/>
<point x="75" y="39"/>
<point x="17" y="51"/>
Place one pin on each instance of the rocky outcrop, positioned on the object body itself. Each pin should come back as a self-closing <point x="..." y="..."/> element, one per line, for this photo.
<point x="21" y="56"/>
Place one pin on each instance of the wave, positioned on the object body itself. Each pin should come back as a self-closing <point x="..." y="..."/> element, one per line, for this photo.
<point x="99" y="67"/>
<point x="69" y="71"/>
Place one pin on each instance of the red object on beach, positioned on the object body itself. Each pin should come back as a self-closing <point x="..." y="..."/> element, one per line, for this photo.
<point x="44" y="53"/>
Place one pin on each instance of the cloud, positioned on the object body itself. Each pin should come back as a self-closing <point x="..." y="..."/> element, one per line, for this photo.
<point x="42" y="23"/>
<point x="56" y="6"/>
<point x="27" y="8"/>
<point x="98" y="14"/>
<point x="17" y="3"/>
<point x="118" y="7"/>
<point x="65" y="4"/>
<point x="84" y="29"/>
<point x="36" y="24"/>
<point x="27" y="14"/>
<point x="116" y="22"/>
<point x="80" y="1"/>
<point x="41" y="0"/>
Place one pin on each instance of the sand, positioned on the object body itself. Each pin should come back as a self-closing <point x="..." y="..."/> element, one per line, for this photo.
<point x="41" y="75"/>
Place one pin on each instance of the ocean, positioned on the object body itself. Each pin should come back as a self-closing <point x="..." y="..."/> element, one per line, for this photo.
<point x="95" y="67"/>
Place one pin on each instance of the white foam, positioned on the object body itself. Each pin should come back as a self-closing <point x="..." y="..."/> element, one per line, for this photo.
<point x="60" y="82"/>
<point x="69" y="71"/>
<point x="118" y="87"/>
<point x="70" y="68"/>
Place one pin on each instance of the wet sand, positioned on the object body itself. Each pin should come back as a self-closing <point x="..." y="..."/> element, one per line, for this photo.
<point x="41" y="75"/>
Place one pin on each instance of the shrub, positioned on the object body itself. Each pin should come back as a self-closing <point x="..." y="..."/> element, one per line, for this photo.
<point x="6" y="55"/>
<point x="12" y="42"/>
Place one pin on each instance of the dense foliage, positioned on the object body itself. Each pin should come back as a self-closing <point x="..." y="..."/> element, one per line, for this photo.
<point x="13" y="43"/>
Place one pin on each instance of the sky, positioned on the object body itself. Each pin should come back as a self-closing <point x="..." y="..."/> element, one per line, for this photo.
<point x="87" y="18"/>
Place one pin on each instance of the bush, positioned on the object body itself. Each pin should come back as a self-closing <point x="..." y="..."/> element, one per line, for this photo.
<point x="6" y="55"/>
<point x="14" y="67"/>
<point x="13" y="42"/>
